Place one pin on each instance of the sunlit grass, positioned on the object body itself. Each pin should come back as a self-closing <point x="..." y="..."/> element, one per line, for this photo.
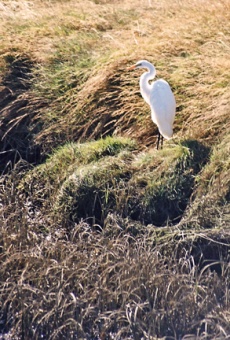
<point x="101" y="235"/>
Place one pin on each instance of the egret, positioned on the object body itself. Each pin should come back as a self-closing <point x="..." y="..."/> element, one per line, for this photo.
<point x="160" y="98"/>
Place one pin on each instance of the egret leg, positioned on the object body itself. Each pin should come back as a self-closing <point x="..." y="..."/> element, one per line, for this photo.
<point x="158" y="140"/>
<point x="162" y="139"/>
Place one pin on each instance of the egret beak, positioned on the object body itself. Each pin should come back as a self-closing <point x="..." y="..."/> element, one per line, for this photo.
<point x="131" y="67"/>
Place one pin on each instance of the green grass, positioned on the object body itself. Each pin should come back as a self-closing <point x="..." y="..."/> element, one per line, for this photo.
<point x="47" y="178"/>
<point x="154" y="187"/>
<point x="211" y="205"/>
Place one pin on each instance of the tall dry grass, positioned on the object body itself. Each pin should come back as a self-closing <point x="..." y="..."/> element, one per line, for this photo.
<point x="64" y="78"/>
<point x="123" y="282"/>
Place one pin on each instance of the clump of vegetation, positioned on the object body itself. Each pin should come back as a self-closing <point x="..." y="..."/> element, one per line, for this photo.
<point x="91" y="180"/>
<point x="211" y="204"/>
<point x="102" y="236"/>
<point x="46" y="179"/>
<point x="93" y="191"/>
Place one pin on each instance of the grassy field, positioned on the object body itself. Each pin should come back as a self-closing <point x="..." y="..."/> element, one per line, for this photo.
<point x="101" y="235"/>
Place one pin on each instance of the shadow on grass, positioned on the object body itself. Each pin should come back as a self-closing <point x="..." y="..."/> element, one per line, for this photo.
<point x="112" y="187"/>
<point x="166" y="203"/>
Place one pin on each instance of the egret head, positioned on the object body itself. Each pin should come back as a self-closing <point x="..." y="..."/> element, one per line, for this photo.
<point x="140" y="64"/>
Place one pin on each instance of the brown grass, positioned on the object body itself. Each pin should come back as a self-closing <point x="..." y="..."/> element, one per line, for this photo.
<point x="80" y="254"/>
<point x="92" y="283"/>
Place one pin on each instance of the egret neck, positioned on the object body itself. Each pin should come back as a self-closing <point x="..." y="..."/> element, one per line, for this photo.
<point x="145" y="86"/>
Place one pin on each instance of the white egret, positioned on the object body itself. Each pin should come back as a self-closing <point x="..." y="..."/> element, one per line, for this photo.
<point x="160" y="98"/>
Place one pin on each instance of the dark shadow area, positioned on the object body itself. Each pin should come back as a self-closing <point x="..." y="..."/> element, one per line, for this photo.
<point x="167" y="204"/>
<point x="159" y="205"/>
<point x="212" y="254"/>
<point x="17" y="110"/>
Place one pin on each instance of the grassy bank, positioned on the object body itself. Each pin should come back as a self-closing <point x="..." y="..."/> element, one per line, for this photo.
<point x="101" y="235"/>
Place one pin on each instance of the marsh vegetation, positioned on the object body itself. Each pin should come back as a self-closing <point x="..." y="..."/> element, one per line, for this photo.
<point x="101" y="235"/>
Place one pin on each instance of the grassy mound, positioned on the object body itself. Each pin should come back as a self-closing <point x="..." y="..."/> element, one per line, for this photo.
<point x="88" y="181"/>
<point x="133" y="188"/>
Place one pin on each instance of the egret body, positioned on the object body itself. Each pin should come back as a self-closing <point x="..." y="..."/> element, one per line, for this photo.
<point x="160" y="98"/>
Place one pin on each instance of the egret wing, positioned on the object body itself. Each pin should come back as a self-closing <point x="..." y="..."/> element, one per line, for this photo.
<point x="163" y="107"/>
